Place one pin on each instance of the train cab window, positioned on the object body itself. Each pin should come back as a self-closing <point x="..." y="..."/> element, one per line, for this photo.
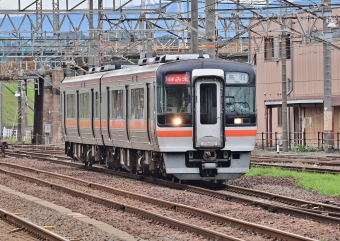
<point x="84" y="105"/>
<point x="117" y="104"/>
<point x="137" y="104"/>
<point x="71" y="106"/>
<point x="173" y="102"/>
<point x="240" y="98"/>
<point x="240" y="104"/>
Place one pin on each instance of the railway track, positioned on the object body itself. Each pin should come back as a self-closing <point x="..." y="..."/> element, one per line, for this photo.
<point x="315" y="211"/>
<point x="324" y="210"/>
<point x="156" y="216"/>
<point x="310" y="160"/>
<point x="299" y="168"/>
<point x="296" y="163"/>
<point x="32" y="229"/>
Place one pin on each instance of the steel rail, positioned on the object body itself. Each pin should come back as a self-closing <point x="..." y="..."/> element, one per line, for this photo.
<point x="31" y="227"/>
<point x="323" y="161"/>
<point x="170" y="205"/>
<point x="310" y="162"/>
<point x="317" y="211"/>
<point x="299" y="168"/>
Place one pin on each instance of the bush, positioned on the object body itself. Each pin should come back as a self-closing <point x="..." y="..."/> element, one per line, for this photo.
<point x="303" y="148"/>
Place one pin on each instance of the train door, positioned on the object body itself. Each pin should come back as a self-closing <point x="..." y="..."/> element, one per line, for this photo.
<point x="118" y="116"/>
<point x="209" y="118"/>
<point x="71" y="120"/>
<point x="93" y="112"/>
<point x="78" y="114"/>
<point x="63" y="115"/>
<point x="138" y="127"/>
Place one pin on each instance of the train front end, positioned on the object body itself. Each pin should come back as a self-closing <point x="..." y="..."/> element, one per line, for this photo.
<point x="206" y="119"/>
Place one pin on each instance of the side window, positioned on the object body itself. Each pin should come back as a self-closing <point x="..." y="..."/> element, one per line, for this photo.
<point x="268" y="48"/>
<point x="117" y="104"/>
<point x="279" y="116"/>
<point x="137" y="104"/>
<point x="84" y="105"/>
<point x="62" y="106"/>
<point x="97" y="101"/>
<point x="71" y="106"/>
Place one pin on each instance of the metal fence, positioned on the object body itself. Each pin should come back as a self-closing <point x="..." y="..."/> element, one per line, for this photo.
<point x="13" y="134"/>
<point x="313" y="139"/>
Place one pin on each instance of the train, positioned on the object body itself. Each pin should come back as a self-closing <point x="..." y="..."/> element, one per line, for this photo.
<point x="186" y="117"/>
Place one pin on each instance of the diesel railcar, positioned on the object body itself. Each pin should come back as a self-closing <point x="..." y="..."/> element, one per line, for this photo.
<point x="191" y="119"/>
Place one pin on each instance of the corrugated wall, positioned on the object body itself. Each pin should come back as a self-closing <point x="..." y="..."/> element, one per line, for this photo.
<point x="308" y="78"/>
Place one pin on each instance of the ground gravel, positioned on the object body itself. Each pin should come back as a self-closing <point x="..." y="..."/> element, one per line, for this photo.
<point x="141" y="228"/>
<point x="7" y="234"/>
<point x="62" y="224"/>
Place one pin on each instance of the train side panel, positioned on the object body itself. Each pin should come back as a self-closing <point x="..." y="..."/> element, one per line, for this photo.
<point x="88" y="121"/>
<point x="193" y="120"/>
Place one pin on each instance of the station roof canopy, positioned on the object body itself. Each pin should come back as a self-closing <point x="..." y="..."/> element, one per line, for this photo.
<point x="335" y="102"/>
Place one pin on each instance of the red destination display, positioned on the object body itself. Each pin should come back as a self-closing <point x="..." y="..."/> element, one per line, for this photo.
<point x="177" y="79"/>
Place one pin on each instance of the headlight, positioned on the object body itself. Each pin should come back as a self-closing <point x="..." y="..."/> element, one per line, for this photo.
<point x="237" y="121"/>
<point x="177" y="121"/>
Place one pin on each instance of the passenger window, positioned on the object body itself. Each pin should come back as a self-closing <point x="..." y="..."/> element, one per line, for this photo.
<point x="97" y="104"/>
<point x="85" y="105"/>
<point x="117" y="104"/>
<point x="137" y="104"/>
<point x="71" y="106"/>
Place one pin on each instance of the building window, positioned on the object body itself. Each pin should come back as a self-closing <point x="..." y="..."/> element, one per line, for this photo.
<point x="279" y="116"/>
<point x="268" y="48"/>
<point x="272" y="48"/>
<point x="288" y="47"/>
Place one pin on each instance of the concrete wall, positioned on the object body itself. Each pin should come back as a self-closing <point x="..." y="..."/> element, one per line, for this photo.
<point x="51" y="109"/>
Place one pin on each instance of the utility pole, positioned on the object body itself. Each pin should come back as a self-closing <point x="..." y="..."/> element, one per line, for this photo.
<point x="1" y="134"/>
<point x="327" y="60"/>
<point x="23" y="97"/>
<point x="91" y="60"/>
<point x="210" y="25"/>
<point x="100" y="30"/>
<point x="284" y="93"/>
<point x="194" y="24"/>
<point x="19" y="113"/>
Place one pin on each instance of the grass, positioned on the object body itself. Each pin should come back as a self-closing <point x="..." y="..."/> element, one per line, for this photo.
<point x="325" y="184"/>
<point x="10" y="104"/>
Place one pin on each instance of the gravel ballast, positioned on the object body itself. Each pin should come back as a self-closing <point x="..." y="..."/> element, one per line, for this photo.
<point x="140" y="228"/>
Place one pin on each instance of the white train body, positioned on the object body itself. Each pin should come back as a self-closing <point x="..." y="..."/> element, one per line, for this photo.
<point x="192" y="119"/>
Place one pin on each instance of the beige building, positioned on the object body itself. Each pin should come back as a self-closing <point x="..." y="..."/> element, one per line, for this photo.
<point x="305" y="80"/>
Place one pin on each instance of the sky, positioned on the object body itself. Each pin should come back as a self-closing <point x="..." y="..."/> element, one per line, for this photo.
<point x="47" y="4"/>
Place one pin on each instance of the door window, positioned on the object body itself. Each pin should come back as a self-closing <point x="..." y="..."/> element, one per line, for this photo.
<point x="208" y="104"/>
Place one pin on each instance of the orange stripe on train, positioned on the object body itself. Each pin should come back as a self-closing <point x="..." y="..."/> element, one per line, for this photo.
<point x="175" y="133"/>
<point x="240" y="132"/>
<point x="117" y="124"/>
<point x="71" y="123"/>
<point x="137" y="124"/>
<point x="85" y="123"/>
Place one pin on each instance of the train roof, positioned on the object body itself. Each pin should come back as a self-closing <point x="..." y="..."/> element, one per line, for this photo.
<point x="203" y="63"/>
<point x="133" y="70"/>
<point x="82" y="78"/>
